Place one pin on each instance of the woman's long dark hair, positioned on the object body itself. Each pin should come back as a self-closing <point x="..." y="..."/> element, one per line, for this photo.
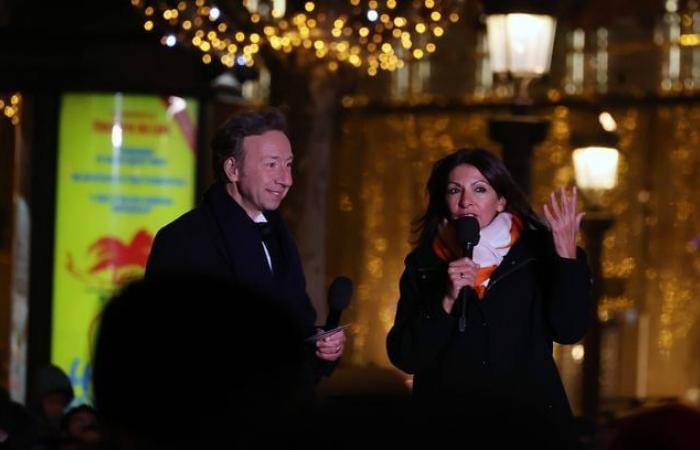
<point x="495" y="172"/>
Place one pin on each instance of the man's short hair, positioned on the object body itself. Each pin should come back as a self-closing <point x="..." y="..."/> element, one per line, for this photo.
<point x="228" y="140"/>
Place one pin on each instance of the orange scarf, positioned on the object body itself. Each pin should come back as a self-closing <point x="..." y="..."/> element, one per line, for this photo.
<point x="446" y="248"/>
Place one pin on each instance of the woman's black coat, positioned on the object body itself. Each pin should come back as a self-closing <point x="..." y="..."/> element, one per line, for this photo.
<point x="498" y="376"/>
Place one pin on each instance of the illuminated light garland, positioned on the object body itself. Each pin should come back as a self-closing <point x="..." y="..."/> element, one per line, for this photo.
<point x="370" y="34"/>
<point x="202" y="26"/>
<point x="11" y="107"/>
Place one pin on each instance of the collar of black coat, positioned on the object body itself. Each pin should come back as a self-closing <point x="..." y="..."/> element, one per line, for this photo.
<point x="229" y="209"/>
<point x="237" y="232"/>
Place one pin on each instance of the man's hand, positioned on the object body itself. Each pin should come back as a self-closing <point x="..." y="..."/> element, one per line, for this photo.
<point x="330" y="348"/>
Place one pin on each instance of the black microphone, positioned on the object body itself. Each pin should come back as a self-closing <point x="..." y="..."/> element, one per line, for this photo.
<point x="467" y="234"/>
<point x="339" y="294"/>
<point x="468" y="237"/>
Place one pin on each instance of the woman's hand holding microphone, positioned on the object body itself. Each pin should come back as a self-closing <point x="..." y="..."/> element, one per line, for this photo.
<point x="460" y="272"/>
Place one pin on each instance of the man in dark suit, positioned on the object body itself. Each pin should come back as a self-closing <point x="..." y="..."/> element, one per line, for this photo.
<point x="237" y="235"/>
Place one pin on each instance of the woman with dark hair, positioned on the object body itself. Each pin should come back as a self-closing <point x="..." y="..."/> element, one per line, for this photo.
<point x="494" y="381"/>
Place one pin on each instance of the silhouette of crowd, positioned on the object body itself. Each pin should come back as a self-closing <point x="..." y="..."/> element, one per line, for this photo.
<point x="177" y="367"/>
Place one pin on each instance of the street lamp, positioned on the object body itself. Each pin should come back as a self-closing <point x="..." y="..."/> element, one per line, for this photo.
<point x="596" y="167"/>
<point x="520" y="39"/>
<point x="596" y="161"/>
<point x="520" y="45"/>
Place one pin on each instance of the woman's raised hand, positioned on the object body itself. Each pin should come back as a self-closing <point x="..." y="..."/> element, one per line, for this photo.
<point x="564" y="221"/>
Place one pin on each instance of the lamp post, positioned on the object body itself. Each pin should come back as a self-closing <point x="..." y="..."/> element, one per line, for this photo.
<point x="520" y="40"/>
<point x="520" y="45"/>
<point x="596" y="159"/>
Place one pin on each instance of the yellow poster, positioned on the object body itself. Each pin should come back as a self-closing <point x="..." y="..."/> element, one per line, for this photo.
<point x="126" y="167"/>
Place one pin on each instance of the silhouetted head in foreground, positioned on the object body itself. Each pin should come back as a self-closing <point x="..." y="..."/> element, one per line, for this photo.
<point x="191" y="363"/>
<point x="668" y="427"/>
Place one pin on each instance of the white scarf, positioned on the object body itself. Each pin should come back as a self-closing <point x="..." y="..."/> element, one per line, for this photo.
<point x="494" y="242"/>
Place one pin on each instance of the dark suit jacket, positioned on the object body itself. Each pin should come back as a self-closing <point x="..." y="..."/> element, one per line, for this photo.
<point x="218" y="240"/>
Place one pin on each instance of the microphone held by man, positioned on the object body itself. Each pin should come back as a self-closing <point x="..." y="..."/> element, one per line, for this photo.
<point x="339" y="296"/>
<point x="330" y="339"/>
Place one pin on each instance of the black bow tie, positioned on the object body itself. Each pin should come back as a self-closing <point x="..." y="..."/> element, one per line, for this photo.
<point x="265" y="229"/>
<point x="269" y="237"/>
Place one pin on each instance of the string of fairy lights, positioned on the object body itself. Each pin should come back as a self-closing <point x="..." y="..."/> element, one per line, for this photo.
<point x="11" y="107"/>
<point x="201" y="26"/>
<point x="372" y="35"/>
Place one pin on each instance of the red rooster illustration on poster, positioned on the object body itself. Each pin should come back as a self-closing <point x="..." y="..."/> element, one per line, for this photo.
<point x="114" y="261"/>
